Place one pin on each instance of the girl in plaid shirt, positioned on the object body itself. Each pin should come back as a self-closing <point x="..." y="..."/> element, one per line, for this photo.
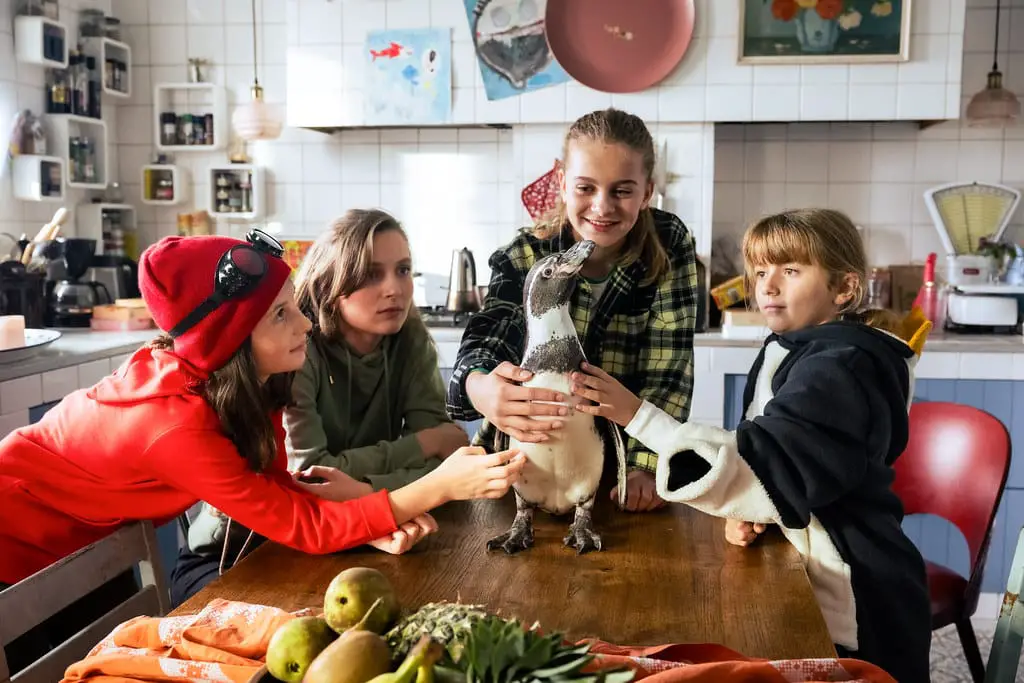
<point x="634" y="309"/>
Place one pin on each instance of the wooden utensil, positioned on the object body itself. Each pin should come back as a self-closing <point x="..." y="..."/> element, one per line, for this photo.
<point x="46" y="233"/>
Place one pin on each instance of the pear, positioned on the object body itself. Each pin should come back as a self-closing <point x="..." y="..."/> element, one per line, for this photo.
<point x="418" y="664"/>
<point x="356" y="656"/>
<point x="350" y="595"/>
<point x="295" y="645"/>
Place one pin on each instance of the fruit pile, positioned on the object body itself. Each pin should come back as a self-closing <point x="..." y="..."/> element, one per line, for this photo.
<point x="362" y="637"/>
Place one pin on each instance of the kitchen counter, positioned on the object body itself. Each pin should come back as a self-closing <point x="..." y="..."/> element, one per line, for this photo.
<point x="940" y="342"/>
<point x="75" y="347"/>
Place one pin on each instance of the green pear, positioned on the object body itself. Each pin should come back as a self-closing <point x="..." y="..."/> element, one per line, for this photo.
<point x="295" y="645"/>
<point x="352" y="593"/>
<point x="355" y="657"/>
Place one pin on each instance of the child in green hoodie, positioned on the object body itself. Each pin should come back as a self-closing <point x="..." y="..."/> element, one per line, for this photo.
<point x="369" y="400"/>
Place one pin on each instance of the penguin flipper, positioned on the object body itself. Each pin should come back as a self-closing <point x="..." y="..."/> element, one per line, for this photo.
<point x="619" y="444"/>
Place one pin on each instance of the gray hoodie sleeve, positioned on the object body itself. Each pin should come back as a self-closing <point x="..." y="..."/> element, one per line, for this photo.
<point x="306" y="440"/>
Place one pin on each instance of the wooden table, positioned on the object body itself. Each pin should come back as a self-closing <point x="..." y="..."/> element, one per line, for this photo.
<point x="664" y="577"/>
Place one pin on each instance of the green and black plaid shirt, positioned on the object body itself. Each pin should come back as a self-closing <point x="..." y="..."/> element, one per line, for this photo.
<point x="641" y="335"/>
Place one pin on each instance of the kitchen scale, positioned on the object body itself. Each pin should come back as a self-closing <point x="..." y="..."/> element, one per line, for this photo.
<point x="963" y="213"/>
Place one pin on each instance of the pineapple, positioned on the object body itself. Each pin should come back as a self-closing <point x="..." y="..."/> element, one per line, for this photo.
<point x="444" y="622"/>
<point x="485" y="648"/>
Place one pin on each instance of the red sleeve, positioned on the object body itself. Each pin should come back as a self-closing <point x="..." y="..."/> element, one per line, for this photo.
<point x="207" y="465"/>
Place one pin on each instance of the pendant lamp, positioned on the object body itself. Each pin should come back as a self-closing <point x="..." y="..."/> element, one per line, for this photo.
<point x="995" y="106"/>
<point x="256" y="120"/>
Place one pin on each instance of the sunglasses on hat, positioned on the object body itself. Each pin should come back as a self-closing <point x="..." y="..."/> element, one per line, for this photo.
<point x="239" y="271"/>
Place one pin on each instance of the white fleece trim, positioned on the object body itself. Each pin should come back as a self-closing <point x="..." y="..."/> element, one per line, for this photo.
<point x="830" y="580"/>
<point x="730" y="489"/>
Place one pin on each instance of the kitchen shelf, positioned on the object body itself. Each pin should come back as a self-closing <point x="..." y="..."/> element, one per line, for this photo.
<point x="38" y="40"/>
<point x="89" y="224"/>
<point x="237" y="175"/>
<point x="195" y="99"/>
<point x="152" y="174"/>
<point x="103" y="49"/>
<point x="33" y="180"/>
<point x="66" y="126"/>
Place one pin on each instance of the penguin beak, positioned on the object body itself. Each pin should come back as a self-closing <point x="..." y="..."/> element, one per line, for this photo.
<point x="570" y="262"/>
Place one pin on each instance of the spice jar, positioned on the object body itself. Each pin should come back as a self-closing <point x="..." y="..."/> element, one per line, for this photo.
<point x="168" y="129"/>
<point x="91" y="23"/>
<point x="112" y="27"/>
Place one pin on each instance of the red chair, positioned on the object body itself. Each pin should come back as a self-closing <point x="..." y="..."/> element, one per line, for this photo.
<point x="955" y="467"/>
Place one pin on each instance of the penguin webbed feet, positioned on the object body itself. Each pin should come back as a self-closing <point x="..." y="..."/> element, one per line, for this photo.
<point x="582" y="536"/>
<point x="519" y="536"/>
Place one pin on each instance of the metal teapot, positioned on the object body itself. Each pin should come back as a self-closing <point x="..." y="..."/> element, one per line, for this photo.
<point x="463" y="295"/>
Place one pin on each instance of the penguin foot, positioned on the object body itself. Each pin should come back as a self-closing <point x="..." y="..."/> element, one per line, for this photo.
<point x="582" y="536"/>
<point x="517" y="538"/>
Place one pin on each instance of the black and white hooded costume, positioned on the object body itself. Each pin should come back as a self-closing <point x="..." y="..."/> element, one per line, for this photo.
<point x="826" y="415"/>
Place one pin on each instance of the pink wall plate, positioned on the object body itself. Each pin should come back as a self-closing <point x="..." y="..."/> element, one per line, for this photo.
<point x="618" y="46"/>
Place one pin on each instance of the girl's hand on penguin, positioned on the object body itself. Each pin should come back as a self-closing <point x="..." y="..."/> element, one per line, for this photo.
<point x="407" y="535"/>
<point x="471" y="472"/>
<point x="609" y="398"/>
<point x="641" y="492"/>
<point x="512" y="408"/>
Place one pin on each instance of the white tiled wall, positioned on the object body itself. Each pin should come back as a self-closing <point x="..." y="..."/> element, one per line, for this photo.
<point x="325" y="45"/>
<point x="878" y="172"/>
<point x="22" y="87"/>
<point x="452" y="187"/>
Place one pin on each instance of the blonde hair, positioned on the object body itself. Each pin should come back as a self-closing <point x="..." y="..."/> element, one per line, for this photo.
<point x="817" y="237"/>
<point x="613" y="126"/>
<point x="338" y="264"/>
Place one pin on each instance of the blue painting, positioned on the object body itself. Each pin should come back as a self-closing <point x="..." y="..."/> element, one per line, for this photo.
<point x="408" y="77"/>
<point x="511" y="46"/>
<point x="824" y="31"/>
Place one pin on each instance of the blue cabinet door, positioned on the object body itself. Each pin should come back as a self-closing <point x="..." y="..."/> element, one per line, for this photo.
<point x="937" y="539"/>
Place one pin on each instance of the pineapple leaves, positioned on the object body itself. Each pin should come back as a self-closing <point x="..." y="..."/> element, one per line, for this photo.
<point x="485" y="648"/>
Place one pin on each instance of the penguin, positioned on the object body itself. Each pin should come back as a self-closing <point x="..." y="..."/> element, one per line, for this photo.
<point x="562" y="473"/>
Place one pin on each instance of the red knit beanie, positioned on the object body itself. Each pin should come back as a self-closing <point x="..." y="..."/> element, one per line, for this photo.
<point x="177" y="274"/>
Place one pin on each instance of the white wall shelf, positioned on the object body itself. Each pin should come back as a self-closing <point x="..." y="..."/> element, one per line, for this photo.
<point x="159" y="179"/>
<point x="103" y="50"/>
<point x="89" y="224"/>
<point x="64" y="128"/>
<point x="38" y="178"/>
<point x="196" y="100"/>
<point x="236" y="191"/>
<point x="38" y="40"/>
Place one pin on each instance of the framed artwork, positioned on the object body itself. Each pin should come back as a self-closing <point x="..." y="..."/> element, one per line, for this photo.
<point x="512" y="46"/>
<point x="408" y="77"/>
<point x="824" y="31"/>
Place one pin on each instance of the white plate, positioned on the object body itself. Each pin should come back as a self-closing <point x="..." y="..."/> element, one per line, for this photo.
<point x="35" y="341"/>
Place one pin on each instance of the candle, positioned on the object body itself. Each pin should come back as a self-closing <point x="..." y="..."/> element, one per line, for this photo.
<point x="12" y="331"/>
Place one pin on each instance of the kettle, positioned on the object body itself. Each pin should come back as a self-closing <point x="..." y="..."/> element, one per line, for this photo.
<point x="463" y="295"/>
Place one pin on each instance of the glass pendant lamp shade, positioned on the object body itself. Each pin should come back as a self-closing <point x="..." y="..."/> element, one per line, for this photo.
<point x="256" y="120"/>
<point x="995" y="106"/>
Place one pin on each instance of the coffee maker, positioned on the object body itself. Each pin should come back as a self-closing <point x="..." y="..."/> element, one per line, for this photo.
<point x="70" y="300"/>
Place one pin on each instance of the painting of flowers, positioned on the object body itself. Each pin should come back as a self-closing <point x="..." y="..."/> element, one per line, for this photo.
<point x="824" y="31"/>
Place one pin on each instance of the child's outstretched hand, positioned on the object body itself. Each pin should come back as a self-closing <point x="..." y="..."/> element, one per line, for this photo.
<point x="471" y="472"/>
<point x="742" y="533"/>
<point x="610" y="399"/>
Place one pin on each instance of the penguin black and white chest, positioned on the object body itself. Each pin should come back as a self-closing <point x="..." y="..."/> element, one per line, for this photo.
<point x="562" y="473"/>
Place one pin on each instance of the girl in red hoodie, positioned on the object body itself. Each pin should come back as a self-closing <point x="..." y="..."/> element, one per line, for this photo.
<point x="196" y="415"/>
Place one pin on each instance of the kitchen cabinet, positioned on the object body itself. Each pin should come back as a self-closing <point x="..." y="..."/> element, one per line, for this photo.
<point x="937" y="539"/>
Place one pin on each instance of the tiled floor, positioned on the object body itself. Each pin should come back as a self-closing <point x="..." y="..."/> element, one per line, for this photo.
<point x="948" y="663"/>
